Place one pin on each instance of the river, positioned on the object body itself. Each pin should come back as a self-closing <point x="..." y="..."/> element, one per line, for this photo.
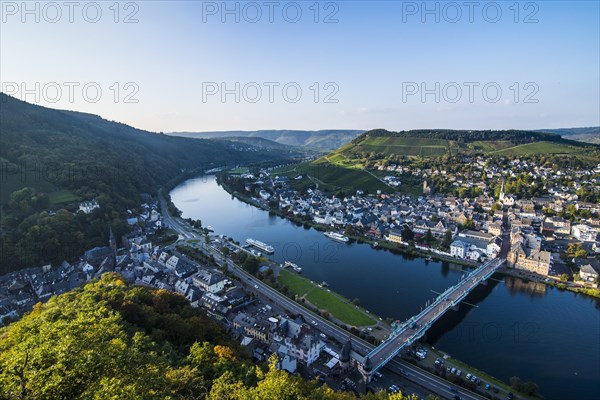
<point x="511" y="328"/>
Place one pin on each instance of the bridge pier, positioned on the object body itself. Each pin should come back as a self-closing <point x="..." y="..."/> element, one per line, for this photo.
<point x="455" y="307"/>
<point x="484" y="282"/>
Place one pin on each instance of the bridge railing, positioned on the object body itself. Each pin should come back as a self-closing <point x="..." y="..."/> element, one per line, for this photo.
<point x="437" y="301"/>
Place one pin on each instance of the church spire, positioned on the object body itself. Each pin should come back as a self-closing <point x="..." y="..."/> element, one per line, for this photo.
<point x="112" y="242"/>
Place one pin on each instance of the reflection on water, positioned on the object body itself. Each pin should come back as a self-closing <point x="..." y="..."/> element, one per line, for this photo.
<point x="519" y="286"/>
<point x="508" y="328"/>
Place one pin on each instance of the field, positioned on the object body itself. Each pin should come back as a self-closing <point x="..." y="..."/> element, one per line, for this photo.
<point x="239" y="171"/>
<point x="405" y="146"/>
<point x="20" y="179"/>
<point x="539" y="148"/>
<point x="333" y="178"/>
<point x="487" y="146"/>
<point x="339" y="307"/>
<point x="62" y="196"/>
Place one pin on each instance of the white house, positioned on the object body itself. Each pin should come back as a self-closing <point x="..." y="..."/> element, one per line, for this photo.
<point x="493" y="248"/>
<point x="88" y="206"/>
<point x="469" y="248"/>
<point x="299" y="341"/>
<point x="172" y="262"/>
<point x="584" y="233"/>
<point x="588" y="273"/>
<point x="264" y="195"/>
<point x="209" y="281"/>
<point x="458" y="249"/>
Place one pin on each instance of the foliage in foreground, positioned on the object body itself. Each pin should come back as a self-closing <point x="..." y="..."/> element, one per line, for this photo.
<point x="110" y="340"/>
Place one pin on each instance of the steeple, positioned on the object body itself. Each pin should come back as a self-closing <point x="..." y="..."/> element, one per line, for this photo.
<point x="112" y="242"/>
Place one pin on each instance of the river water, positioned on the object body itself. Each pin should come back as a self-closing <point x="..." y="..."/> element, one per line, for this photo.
<point x="510" y="328"/>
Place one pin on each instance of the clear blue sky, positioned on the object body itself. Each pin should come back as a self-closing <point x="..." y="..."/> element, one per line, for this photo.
<point x="375" y="56"/>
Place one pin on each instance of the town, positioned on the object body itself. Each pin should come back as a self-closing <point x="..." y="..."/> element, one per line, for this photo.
<point x="542" y="246"/>
<point x="553" y="238"/>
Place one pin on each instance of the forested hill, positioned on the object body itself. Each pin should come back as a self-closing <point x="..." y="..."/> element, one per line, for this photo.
<point x="52" y="159"/>
<point x="109" y="340"/>
<point x="466" y="136"/>
<point x="320" y="140"/>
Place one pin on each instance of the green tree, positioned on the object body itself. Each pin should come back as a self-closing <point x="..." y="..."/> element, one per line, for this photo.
<point x="251" y="265"/>
<point x="447" y="240"/>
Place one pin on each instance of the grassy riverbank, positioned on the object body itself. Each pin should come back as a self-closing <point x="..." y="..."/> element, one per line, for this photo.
<point x="338" y="306"/>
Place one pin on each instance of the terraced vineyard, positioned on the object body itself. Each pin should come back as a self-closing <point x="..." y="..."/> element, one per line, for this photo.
<point x="405" y="146"/>
<point x="540" y="148"/>
<point x="351" y="167"/>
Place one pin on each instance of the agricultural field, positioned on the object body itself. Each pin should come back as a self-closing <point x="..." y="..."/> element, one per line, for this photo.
<point x="487" y="146"/>
<point x="404" y="146"/>
<point x="332" y="178"/>
<point x="338" y="306"/>
<point x="540" y="148"/>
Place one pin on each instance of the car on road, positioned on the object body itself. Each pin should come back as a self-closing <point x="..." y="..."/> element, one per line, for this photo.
<point x="453" y="389"/>
<point x="255" y="286"/>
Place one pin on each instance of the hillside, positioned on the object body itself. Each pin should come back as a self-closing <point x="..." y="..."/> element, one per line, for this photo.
<point x="355" y="165"/>
<point x="110" y="340"/>
<point x="320" y="140"/>
<point x="260" y="143"/>
<point x="380" y="144"/>
<point x="588" y="135"/>
<point x="52" y="159"/>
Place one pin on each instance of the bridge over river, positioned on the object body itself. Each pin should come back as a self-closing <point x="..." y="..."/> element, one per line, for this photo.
<point x="413" y="329"/>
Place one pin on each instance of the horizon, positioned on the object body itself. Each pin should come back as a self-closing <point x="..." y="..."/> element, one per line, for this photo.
<point x="304" y="130"/>
<point x="400" y="65"/>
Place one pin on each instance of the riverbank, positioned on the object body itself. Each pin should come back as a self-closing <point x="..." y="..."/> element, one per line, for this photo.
<point x="409" y="251"/>
<point x="513" y="320"/>
<point x="566" y="286"/>
<point x="326" y="301"/>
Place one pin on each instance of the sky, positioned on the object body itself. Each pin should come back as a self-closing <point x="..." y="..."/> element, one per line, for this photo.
<point x="205" y="66"/>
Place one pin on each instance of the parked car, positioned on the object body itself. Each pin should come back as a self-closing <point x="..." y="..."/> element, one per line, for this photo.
<point x="469" y="377"/>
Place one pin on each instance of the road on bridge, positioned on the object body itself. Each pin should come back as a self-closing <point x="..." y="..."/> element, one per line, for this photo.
<point x="417" y="325"/>
<point x="416" y="375"/>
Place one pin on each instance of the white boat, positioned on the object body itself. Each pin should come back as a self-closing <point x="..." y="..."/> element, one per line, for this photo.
<point x="261" y="246"/>
<point x="292" y="266"/>
<point x="337" y="236"/>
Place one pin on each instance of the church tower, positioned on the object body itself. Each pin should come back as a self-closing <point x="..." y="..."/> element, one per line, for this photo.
<point x="112" y="242"/>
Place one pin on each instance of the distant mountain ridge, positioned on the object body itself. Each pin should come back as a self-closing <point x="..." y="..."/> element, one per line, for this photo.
<point x="322" y="139"/>
<point x="589" y="134"/>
